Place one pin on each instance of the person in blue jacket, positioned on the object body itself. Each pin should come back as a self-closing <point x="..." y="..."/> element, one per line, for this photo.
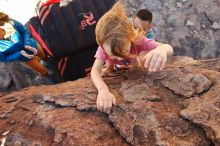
<point x="16" y="44"/>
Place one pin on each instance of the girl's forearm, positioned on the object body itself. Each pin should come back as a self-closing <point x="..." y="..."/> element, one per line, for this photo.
<point x="97" y="80"/>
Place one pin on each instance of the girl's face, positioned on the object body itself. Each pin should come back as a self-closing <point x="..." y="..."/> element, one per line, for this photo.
<point x="125" y="50"/>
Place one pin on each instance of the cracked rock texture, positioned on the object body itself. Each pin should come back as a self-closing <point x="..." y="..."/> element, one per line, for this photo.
<point x="178" y="106"/>
<point x="191" y="26"/>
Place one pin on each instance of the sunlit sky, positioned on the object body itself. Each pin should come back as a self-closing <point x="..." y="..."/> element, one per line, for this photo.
<point x="20" y="10"/>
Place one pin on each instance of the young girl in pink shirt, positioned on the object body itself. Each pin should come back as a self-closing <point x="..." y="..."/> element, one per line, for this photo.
<point x="120" y="44"/>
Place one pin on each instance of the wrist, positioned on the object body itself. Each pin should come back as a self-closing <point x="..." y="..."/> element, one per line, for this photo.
<point x="165" y="48"/>
<point x="168" y="49"/>
<point x="102" y="89"/>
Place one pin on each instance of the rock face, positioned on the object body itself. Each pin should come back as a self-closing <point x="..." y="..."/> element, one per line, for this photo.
<point x="191" y="26"/>
<point x="178" y="106"/>
<point x="14" y="76"/>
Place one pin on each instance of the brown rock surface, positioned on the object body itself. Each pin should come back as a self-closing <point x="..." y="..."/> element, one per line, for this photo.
<point x="175" y="107"/>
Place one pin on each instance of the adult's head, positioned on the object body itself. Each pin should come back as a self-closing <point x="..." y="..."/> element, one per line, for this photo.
<point x="3" y="19"/>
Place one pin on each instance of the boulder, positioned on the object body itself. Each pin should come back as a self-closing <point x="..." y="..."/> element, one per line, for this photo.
<point x="176" y="106"/>
<point x="15" y="75"/>
<point x="191" y="26"/>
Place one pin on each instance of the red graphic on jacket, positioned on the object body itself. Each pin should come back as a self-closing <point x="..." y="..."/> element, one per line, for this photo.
<point x="88" y="21"/>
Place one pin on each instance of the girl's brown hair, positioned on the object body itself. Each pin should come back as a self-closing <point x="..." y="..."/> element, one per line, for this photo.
<point x="115" y="27"/>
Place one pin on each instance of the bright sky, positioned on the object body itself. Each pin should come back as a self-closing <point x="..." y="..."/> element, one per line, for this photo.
<point x="20" y="10"/>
